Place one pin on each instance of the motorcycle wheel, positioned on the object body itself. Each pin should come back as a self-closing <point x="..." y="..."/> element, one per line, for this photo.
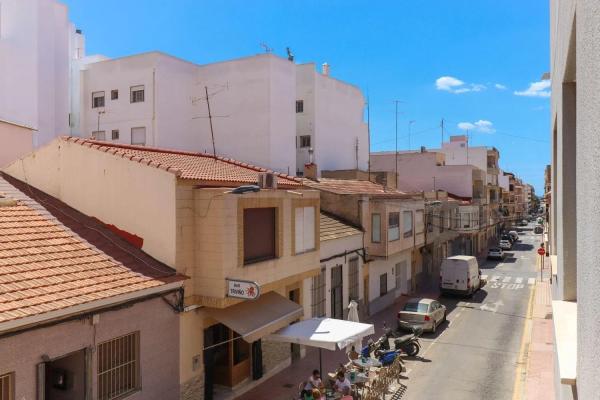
<point x="412" y="349"/>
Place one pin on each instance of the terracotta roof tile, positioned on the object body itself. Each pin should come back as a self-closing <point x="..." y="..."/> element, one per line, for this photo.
<point x="186" y="165"/>
<point x="352" y="186"/>
<point x="53" y="258"/>
<point x="332" y="228"/>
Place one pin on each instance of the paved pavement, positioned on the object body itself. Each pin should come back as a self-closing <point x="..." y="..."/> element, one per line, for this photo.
<point x="476" y="354"/>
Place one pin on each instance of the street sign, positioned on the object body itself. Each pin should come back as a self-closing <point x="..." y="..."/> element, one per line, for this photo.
<point x="541" y="251"/>
<point x="242" y="289"/>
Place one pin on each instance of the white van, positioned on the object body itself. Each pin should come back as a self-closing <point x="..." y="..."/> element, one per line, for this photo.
<point x="460" y="274"/>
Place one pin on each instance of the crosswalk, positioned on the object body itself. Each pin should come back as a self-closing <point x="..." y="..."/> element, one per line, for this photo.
<point x="508" y="282"/>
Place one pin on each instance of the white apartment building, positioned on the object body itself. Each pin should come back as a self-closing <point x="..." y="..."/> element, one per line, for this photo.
<point x="38" y="44"/>
<point x="329" y="122"/>
<point x="265" y="110"/>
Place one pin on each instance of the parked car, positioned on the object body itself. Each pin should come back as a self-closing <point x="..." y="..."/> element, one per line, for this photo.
<point x="538" y="229"/>
<point x="507" y="237"/>
<point x="495" y="253"/>
<point x="460" y="274"/>
<point x="427" y="314"/>
<point x="505" y="244"/>
<point x="514" y="235"/>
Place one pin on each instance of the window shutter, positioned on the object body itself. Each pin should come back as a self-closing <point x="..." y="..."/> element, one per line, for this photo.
<point x="309" y="228"/>
<point x="299" y="233"/>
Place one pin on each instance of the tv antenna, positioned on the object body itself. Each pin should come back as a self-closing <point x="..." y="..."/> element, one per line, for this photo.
<point x="210" y="116"/>
<point x="266" y="47"/>
<point x="289" y="54"/>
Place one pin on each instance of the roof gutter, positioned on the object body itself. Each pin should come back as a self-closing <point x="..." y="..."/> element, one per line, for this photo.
<point x="97" y="305"/>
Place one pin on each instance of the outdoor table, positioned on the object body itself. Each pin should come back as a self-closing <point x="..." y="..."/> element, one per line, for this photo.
<point x="367" y="363"/>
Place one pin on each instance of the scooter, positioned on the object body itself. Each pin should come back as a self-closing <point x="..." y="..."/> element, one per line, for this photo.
<point x="407" y="343"/>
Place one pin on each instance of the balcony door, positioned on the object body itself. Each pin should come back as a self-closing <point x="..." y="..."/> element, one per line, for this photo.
<point x="337" y="289"/>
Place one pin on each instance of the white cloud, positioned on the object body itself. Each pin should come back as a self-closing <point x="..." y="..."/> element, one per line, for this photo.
<point x="483" y="126"/>
<point x="500" y="86"/>
<point x="455" y="85"/>
<point x="536" y="89"/>
<point x="448" y="83"/>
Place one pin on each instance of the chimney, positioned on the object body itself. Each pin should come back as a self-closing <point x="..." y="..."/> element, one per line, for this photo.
<point x="325" y="69"/>
<point x="310" y="171"/>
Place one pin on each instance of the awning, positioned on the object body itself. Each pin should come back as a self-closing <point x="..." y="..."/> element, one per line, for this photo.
<point x="326" y="333"/>
<point x="255" y="319"/>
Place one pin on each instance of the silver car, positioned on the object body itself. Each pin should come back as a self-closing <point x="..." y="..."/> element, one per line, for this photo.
<point x="427" y="314"/>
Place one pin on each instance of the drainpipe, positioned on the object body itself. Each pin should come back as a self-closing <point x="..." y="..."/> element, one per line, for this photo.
<point x="154" y="107"/>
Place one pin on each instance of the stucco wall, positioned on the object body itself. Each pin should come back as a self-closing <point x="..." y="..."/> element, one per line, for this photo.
<point x="16" y="142"/>
<point x="159" y="343"/>
<point x="65" y="170"/>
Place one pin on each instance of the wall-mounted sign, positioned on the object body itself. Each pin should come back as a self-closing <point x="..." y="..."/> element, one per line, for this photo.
<point x="242" y="289"/>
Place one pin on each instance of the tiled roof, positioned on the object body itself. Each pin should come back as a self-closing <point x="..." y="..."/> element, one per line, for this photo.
<point x="332" y="228"/>
<point x="53" y="257"/>
<point x="352" y="186"/>
<point x="186" y="165"/>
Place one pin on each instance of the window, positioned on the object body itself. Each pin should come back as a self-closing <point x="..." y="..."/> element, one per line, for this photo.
<point x="393" y="226"/>
<point x="115" y="134"/>
<point x="382" y="284"/>
<point x="114" y="94"/>
<point x="407" y="219"/>
<point x="299" y="106"/>
<point x="419" y="222"/>
<point x="138" y="136"/>
<point x="99" y="135"/>
<point x="304" y="225"/>
<point x="7" y="386"/>
<point x="375" y="228"/>
<point x="353" y="279"/>
<point x="442" y="221"/>
<point x="118" y="367"/>
<point x="137" y="94"/>
<point x="97" y="99"/>
<point x="318" y="294"/>
<point x="259" y="234"/>
<point x="305" y="141"/>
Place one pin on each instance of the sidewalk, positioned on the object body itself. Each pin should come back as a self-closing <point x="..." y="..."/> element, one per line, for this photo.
<point x="283" y="385"/>
<point x="539" y="381"/>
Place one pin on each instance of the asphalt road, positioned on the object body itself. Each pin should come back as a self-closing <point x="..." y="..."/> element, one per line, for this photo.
<point x="475" y="354"/>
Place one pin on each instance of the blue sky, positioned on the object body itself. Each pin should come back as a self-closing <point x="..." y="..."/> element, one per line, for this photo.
<point x="390" y="49"/>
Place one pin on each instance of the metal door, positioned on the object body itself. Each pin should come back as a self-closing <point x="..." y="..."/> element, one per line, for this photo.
<point x="337" y="285"/>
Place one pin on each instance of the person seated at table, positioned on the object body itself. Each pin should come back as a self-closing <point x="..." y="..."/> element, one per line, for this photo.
<point x="352" y="354"/>
<point x="316" y="394"/>
<point x="341" y="383"/>
<point x="346" y="394"/>
<point x="314" y="381"/>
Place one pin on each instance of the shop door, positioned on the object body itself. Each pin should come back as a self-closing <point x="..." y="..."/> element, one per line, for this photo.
<point x="337" y="289"/>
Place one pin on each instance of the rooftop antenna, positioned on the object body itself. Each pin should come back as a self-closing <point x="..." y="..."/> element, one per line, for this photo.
<point x="266" y="47"/>
<point x="289" y="54"/>
<point x="210" y="115"/>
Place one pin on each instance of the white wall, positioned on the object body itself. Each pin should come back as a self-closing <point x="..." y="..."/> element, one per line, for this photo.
<point x="34" y="67"/>
<point x="380" y="267"/>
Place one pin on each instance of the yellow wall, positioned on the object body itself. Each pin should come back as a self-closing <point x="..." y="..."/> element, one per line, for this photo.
<point x="15" y="142"/>
<point x="134" y="197"/>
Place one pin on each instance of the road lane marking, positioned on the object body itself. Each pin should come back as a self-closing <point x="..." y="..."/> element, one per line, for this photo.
<point x="519" y="280"/>
<point x="531" y="281"/>
<point x="520" y="373"/>
<point x="506" y="280"/>
<point x="495" y="278"/>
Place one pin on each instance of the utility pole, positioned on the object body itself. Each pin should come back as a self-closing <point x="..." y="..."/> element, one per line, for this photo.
<point x="369" y="134"/>
<point x="212" y="134"/>
<point x="442" y="126"/>
<point x="396" y="154"/>
<point x="409" y="125"/>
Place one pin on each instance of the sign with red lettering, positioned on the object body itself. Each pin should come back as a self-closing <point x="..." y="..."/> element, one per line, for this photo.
<point x="242" y="289"/>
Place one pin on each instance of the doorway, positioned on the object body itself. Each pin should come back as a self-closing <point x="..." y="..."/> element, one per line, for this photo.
<point x="226" y="358"/>
<point x="64" y="378"/>
<point x="294" y="295"/>
<point x="337" y="288"/>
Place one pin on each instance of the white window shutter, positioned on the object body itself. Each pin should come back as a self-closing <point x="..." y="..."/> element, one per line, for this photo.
<point x="299" y="234"/>
<point x="309" y="228"/>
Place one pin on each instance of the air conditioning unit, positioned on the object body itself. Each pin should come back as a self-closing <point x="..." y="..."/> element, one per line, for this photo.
<point x="267" y="180"/>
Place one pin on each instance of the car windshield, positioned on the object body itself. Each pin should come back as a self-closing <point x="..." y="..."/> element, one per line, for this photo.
<point x="416" y="307"/>
<point x="494" y="250"/>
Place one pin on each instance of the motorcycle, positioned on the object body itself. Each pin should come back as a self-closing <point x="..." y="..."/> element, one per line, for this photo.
<point x="407" y="343"/>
